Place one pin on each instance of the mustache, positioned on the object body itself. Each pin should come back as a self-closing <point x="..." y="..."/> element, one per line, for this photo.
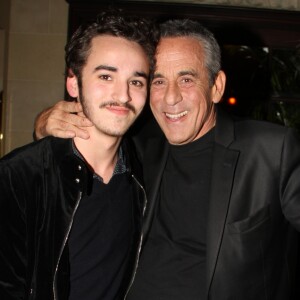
<point x="115" y="103"/>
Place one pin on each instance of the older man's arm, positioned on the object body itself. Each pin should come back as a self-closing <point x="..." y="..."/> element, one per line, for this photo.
<point x="61" y="120"/>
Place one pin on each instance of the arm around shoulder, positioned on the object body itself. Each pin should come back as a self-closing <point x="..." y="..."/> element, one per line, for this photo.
<point x="61" y="120"/>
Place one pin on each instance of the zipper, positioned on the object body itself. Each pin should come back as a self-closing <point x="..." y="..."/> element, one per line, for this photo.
<point x="140" y="242"/>
<point x="64" y="244"/>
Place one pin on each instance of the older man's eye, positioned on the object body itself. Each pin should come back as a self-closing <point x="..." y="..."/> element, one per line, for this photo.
<point x="157" y="82"/>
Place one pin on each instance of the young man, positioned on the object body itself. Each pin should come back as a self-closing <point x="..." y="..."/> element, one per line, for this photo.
<point x="70" y="210"/>
<point x="223" y="195"/>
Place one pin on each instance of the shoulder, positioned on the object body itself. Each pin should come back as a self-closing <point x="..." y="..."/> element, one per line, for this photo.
<point x="267" y="132"/>
<point x="265" y="139"/>
<point x="34" y="153"/>
<point x="253" y="135"/>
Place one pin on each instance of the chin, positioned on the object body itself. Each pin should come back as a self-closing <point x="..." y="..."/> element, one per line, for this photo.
<point x="116" y="133"/>
<point x="114" y="130"/>
<point x="174" y="141"/>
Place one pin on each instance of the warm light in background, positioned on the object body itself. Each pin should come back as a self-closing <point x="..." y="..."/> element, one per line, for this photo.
<point x="232" y="101"/>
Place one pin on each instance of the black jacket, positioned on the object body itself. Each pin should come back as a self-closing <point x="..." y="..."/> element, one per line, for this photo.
<point x="41" y="185"/>
<point x="254" y="207"/>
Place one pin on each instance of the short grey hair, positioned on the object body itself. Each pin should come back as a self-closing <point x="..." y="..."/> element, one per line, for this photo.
<point x="191" y="28"/>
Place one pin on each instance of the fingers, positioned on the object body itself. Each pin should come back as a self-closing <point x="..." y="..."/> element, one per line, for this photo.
<point x="61" y="120"/>
<point x="64" y="129"/>
<point x="67" y="112"/>
<point x="68" y="106"/>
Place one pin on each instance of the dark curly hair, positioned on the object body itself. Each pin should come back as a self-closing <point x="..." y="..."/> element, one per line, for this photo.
<point x="114" y="23"/>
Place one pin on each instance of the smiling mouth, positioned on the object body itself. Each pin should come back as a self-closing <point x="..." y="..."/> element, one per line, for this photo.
<point x="176" y="116"/>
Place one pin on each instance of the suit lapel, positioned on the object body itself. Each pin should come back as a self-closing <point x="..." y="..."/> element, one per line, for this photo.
<point x="223" y="168"/>
<point x="224" y="163"/>
<point x="153" y="165"/>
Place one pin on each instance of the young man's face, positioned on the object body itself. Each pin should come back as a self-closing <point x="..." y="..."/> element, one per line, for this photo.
<point x="181" y="98"/>
<point x="114" y="84"/>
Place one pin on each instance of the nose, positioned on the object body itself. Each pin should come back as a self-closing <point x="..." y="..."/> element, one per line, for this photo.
<point x="173" y="95"/>
<point x="121" y="93"/>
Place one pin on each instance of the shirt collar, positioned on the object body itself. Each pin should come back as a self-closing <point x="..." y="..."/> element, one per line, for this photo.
<point x="120" y="167"/>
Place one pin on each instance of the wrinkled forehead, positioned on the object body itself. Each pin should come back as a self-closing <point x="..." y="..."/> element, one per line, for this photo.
<point x="179" y="52"/>
<point x="181" y="43"/>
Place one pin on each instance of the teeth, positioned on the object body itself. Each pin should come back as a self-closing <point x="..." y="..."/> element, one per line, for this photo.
<point x="177" y="116"/>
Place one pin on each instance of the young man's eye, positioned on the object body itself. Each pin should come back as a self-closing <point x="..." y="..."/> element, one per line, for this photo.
<point x="137" y="83"/>
<point x="105" y="77"/>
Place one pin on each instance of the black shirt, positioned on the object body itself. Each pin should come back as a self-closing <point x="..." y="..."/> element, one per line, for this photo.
<point x="172" y="263"/>
<point x="101" y="238"/>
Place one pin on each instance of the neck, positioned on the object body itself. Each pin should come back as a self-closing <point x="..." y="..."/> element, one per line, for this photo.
<point x="100" y="151"/>
<point x="209" y="123"/>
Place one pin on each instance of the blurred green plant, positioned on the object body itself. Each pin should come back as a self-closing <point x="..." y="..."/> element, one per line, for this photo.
<point x="266" y="81"/>
<point x="285" y="72"/>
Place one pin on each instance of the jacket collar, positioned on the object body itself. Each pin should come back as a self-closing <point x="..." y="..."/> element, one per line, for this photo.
<point x="224" y="129"/>
<point x="133" y="164"/>
<point x="154" y="162"/>
<point x="74" y="172"/>
<point x="222" y="177"/>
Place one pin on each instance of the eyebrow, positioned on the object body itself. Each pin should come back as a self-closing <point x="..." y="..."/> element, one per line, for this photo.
<point x="181" y="73"/>
<point x="188" y="72"/>
<point x="141" y="74"/>
<point x="114" y="69"/>
<point x="105" y="67"/>
<point x="157" y="75"/>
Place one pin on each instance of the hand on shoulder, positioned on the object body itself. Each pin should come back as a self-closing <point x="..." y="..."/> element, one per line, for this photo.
<point x="61" y="120"/>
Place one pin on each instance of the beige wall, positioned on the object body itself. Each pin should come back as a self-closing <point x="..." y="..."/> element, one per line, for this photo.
<point x="4" y="31"/>
<point x="35" y="73"/>
<point x="35" y="34"/>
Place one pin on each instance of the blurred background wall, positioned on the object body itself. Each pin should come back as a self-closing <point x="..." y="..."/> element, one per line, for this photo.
<point x="34" y="34"/>
<point x="32" y="38"/>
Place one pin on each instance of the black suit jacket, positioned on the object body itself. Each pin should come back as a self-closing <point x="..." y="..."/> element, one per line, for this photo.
<point x="254" y="208"/>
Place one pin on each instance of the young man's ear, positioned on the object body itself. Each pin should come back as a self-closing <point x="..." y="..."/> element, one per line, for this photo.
<point x="218" y="87"/>
<point x="72" y="85"/>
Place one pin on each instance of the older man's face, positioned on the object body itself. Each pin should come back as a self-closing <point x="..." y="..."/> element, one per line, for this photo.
<point x="180" y="97"/>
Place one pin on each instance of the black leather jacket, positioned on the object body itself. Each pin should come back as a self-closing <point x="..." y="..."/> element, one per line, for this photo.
<point x="41" y="185"/>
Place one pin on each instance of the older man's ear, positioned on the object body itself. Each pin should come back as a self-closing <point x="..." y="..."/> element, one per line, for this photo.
<point x="218" y="88"/>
